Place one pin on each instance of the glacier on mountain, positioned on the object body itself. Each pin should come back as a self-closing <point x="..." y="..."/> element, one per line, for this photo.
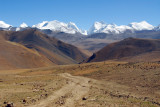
<point x="97" y="27"/>
<point x="141" y="26"/>
<point x="23" y="25"/>
<point x="4" y="25"/>
<point x="101" y="27"/>
<point x="59" y="26"/>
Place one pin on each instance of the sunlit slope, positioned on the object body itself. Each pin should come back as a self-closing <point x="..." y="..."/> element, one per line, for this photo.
<point x="130" y="49"/>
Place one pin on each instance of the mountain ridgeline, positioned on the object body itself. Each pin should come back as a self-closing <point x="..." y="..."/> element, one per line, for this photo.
<point x="98" y="36"/>
<point x="31" y="48"/>
<point x="130" y="49"/>
<point x="58" y="43"/>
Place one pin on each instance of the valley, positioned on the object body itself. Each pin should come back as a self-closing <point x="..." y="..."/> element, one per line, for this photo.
<point x="80" y="53"/>
<point x="47" y="68"/>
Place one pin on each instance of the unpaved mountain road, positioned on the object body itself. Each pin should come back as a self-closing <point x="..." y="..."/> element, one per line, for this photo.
<point x="95" y="85"/>
<point x="76" y="87"/>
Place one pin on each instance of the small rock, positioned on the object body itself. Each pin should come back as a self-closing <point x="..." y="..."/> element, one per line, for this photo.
<point x="46" y="95"/>
<point x="84" y="98"/>
<point x="24" y="101"/>
<point x="4" y="102"/>
<point x="9" y="105"/>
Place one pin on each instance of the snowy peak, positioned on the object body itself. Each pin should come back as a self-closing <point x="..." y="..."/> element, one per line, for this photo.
<point x="97" y="27"/>
<point x="72" y="26"/>
<point x="141" y="26"/>
<point x="101" y="27"/>
<point x="52" y="25"/>
<point x="23" y="25"/>
<point x="59" y="26"/>
<point x="4" y="25"/>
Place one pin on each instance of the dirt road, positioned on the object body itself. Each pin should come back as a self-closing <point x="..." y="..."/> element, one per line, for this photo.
<point x="76" y="87"/>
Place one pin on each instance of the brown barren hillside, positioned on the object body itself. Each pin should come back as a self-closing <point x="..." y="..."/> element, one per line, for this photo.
<point x="130" y="49"/>
<point x="31" y="48"/>
<point x="14" y="55"/>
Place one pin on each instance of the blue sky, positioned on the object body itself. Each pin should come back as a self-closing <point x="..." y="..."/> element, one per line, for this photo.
<point x="82" y="12"/>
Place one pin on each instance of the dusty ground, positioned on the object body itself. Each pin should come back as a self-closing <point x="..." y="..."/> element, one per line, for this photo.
<point x="104" y="84"/>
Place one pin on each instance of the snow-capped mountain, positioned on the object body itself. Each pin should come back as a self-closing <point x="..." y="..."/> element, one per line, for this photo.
<point x="71" y="28"/>
<point x="59" y="26"/>
<point x="4" y="25"/>
<point x="141" y="26"/>
<point x="23" y="25"/>
<point x="101" y="27"/>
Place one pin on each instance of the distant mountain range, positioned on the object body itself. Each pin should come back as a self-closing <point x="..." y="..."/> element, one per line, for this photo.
<point x="99" y="35"/>
<point x="38" y="46"/>
<point x="97" y="27"/>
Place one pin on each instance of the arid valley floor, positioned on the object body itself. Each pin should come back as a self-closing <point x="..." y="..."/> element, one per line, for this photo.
<point x="100" y="84"/>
